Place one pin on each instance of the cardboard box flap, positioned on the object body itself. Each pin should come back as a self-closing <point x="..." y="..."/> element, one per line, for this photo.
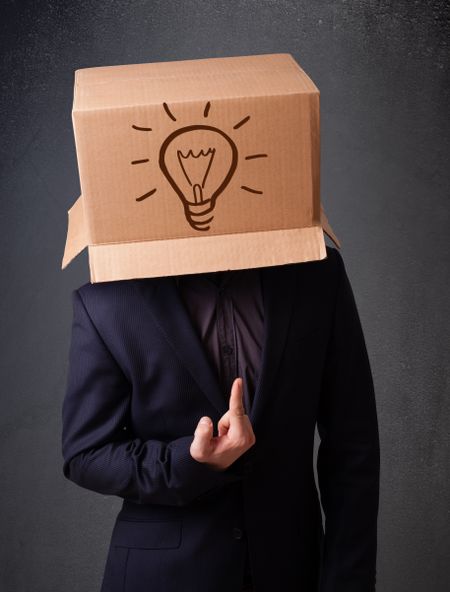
<point x="327" y="228"/>
<point x="202" y="254"/>
<point x="76" y="239"/>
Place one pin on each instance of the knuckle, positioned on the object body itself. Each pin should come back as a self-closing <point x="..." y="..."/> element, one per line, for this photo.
<point x="198" y="454"/>
<point x="249" y="436"/>
<point x="241" y="442"/>
<point x="250" y="439"/>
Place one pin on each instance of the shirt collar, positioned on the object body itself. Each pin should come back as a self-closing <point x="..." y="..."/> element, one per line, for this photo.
<point x="218" y="278"/>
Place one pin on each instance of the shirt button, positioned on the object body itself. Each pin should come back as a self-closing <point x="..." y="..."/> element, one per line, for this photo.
<point x="227" y="349"/>
<point x="237" y="533"/>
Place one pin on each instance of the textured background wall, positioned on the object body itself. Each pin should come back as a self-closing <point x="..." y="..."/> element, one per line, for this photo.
<point x="382" y="71"/>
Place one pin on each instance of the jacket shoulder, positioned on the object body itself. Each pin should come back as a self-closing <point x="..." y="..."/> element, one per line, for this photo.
<point x="327" y="268"/>
<point x="334" y="257"/>
<point x="333" y="266"/>
<point x="104" y="294"/>
<point x="91" y="290"/>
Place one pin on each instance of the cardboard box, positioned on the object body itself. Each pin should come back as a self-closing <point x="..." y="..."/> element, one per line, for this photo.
<point x="196" y="165"/>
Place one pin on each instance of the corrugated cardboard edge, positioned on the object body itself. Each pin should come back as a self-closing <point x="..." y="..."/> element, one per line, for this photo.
<point x="76" y="239"/>
<point x="327" y="228"/>
<point x="121" y="261"/>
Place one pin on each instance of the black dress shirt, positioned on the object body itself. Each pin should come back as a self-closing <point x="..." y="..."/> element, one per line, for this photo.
<point x="226" y="309"/>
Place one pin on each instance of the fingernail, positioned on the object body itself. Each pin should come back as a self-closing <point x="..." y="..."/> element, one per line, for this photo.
<point x="205" y="420"/>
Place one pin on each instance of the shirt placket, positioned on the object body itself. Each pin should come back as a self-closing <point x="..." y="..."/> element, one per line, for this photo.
<point x="227" y="339"/>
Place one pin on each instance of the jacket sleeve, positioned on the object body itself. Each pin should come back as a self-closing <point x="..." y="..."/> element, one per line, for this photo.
<point x="348" y="461"/>
<point x="99" y="454"/>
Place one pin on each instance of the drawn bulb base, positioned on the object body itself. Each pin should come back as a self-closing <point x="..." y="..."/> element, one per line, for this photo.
<point x="199" y="215"/>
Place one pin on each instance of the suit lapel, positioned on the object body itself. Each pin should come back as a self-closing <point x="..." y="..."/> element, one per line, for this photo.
<point x="170" y="315"/>
<point x="278" y="286"/>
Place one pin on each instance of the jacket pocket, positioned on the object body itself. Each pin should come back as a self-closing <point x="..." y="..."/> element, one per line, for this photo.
<point x="147" y="534"/>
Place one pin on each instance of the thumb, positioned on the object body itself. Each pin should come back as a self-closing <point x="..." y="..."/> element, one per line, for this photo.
<point x="202" y="437"/>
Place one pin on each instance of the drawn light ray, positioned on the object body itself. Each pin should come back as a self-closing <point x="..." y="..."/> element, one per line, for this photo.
<point x="255" y="156"/>
<point x="250" y="189"/>
<point x="241" y="123"/>
<point x="141" y="129"/>
<point x="168" y="111"/>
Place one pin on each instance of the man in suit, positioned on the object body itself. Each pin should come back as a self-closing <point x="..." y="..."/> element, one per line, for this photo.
<point x="201" y="512"/>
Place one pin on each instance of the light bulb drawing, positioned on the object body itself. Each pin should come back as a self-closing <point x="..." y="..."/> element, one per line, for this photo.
<point x="199" y="162"/>
<point x="188" y="173"/>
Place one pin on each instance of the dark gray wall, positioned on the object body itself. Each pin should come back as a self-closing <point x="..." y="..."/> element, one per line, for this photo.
<point x="382" y="71"/>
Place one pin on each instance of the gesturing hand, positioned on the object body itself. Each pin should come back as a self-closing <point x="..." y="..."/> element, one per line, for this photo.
<point x="235" y="434"/>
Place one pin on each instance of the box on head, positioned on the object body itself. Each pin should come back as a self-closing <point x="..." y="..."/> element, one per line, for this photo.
<point x="195" y="166"/>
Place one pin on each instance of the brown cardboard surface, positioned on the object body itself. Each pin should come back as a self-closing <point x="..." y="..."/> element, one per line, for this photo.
<point x="206" y="253"/>
<point x="77" y="238"/>
<point x="196" y="165"/>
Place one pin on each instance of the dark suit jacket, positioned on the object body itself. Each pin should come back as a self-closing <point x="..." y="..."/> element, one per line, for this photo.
<point x="139" y="381"/>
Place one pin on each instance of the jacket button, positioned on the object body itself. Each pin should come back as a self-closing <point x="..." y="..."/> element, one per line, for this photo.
<point x="237" y="533"/>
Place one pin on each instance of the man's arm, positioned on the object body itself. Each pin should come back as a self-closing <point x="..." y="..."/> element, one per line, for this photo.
<point x="348" y="462"/>
<point x="99" y="455"/>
